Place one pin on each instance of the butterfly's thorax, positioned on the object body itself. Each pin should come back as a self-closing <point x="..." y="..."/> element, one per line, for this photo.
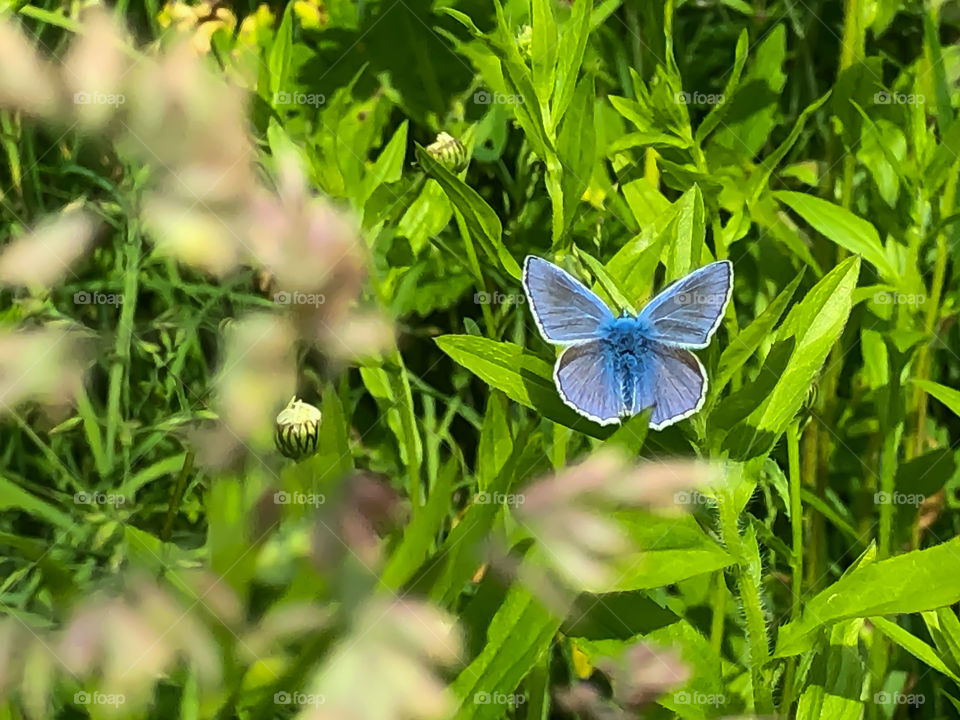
<point x="624" y="343"/>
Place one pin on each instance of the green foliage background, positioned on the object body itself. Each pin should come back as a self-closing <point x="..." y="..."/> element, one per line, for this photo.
<point x="815" y="145"/>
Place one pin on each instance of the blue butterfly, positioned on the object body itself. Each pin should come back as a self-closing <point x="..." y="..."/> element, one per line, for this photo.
<point x="615" y="367"/>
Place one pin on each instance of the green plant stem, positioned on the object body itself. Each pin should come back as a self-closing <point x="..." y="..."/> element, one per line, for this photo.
<point x="924" y="360"/>
<point x="121" y="350"/>
<point x="478" y="280"/>
<point x="176" y="497"/>
<point x="888" y="470"/>
<point x="719" y="612"/>
<point x="796" y="527"/>
<point x="752" y="607"/>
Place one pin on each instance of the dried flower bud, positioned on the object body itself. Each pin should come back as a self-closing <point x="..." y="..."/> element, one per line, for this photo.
<point x="298" y="429"/>
<point x="449" y="152"/>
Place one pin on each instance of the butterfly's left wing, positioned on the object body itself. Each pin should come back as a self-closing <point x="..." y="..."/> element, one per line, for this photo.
<point x="588" y="382"/>
<point x="671" y="381"/>
<point x="688" y="312"/>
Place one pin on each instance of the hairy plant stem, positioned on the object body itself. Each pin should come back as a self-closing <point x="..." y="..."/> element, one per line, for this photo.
<point x="796" y="527"/>
<point x="749" y="593"/>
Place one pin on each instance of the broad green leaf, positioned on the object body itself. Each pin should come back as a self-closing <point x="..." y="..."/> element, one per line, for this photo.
<point x="573" y="42"/>
<point x="718" y="111"/>
<point x="481" y="220"/>
<point x="842" y="227"/>
<point x="281" y="52"/>
<point x="633" y="266"/>
<point x="543" y="49"/>
<point x="666" y="550"/>
<point x="761" y="176"/>
<point x="948" y="396"/>
<point x="684" y="254"/>
<point x="519" y="635"/>
<point x="522" y="376"/>
<point x="519" y="83"/>
<point x="836" y="678"/>
<point x="576" y="148"/>
<point x="817" y="323"/>
<point x="746" y="342"/>
<point x="496" y="445"/>
<point x="752" y="110"/>
<point x="388" y="166"/>
<point x="913" y="582"/>
<point x="14" y="497"/>
<point x="913" y="645"/>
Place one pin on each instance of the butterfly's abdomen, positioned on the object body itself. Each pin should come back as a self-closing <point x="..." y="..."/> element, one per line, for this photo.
<point x="623" y="344"/>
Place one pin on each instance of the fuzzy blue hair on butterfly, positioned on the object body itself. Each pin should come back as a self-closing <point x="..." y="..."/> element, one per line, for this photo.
<point x="615" y="367"/>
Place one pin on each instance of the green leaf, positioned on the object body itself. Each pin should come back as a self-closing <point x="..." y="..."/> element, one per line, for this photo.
<point x="606" y="282"/>
<point x="519" y="635"/>
<point x="388" y="166"/>
<point x="573" y="42"/>
<point x="666" y="550"/>
<point x="913" y="645"/>
<point x="913" y="582"/>
<point x="543" y="49"/>
<point x="14" y="497"/>
<point x="690" y="232"/>
<point x="421" y="534"/>
<point x="718" y="111"/>
<point x="948" y="396"/>
<point x="576" y="148"/>
<point x="522" y="376"/>
<point x="744" y="344"/>
<point x="842" y="227"/>
<point x="496" y="445"/>
<point x="281" y="52"/>
<point x="481" y="220"/>
<point x="836" y="677"/>
<point x="815" y="324"/>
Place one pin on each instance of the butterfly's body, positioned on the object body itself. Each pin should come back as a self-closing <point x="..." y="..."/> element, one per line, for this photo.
<point x="623" y="348"/>
<point x="615" y="367"/>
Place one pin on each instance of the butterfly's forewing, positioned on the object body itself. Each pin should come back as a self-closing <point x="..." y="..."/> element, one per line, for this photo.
<point x="588" y="383"/>
<point x="672" y="381"/>
<point x="687" y="313"/>
<point x="565" y="311"/>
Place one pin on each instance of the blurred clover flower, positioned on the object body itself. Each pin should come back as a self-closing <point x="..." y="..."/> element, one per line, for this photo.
<point x="123" y="643"/>
<point x="43" y="256"/>
<point x="400" y="645"/>
<point x="572" y="515"/>
<point x="45" y="365"/>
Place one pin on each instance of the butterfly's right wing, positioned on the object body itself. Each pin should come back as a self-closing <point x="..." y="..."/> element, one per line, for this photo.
<point x="671" y="381"/>
<point x="564" y="309"/>
<point x="588" y="382"/>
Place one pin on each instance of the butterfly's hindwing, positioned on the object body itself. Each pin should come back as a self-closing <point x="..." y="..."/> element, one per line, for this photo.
<point x="587" y="380"/>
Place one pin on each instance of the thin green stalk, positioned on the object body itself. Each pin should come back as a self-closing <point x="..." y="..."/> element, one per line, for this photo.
<point x="121" y="350"/>
<point x="474" y="265"/>
<point x="932" y="313"/>
<point x="176" y="497"/>
<point x="796" y="527"/>
<point x="888" y="470"/>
